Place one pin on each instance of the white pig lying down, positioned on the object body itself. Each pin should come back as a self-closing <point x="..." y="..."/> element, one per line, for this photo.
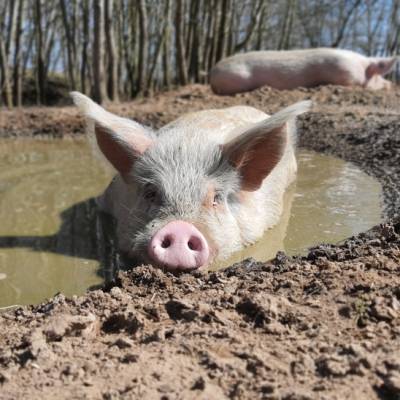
<point x="299" y="68"/>
<point x="200" y="188"/>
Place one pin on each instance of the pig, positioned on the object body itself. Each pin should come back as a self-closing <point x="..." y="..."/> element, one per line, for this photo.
<point x="200" y="188"/>
<point x="299" y="68"/>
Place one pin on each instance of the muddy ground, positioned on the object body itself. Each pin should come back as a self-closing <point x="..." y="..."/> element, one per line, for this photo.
<point x="324" y="326"/>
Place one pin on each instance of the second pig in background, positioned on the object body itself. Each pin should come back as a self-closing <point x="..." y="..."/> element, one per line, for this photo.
<point x="299" y="68"/>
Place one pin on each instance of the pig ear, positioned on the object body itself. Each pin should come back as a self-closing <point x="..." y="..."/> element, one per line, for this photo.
<point x="380" y="66"/>
<point x="121" y="140"/>
<point x="255" y="152"/>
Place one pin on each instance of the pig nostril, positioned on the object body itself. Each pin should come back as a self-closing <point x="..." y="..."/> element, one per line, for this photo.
<point x="166" y="243"/>
<point x="194" y="244"/>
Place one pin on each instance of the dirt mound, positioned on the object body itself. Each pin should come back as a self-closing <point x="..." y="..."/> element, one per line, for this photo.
<point x="324" y="326"/>
<point x="165" y="107"/>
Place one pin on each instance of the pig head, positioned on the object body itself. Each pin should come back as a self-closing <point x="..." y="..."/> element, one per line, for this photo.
<point x="200" y="188"/>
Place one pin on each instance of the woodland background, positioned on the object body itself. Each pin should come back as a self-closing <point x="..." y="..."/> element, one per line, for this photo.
<point x="120" y="49"/>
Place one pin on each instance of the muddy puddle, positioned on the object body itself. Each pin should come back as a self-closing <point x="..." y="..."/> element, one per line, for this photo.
<point x="45" y="243"/>
<point x="48" y="237"/>
<point x="331" y="200"/>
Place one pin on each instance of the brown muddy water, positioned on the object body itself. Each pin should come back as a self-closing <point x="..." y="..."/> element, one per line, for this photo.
<point x="49" y="243"/>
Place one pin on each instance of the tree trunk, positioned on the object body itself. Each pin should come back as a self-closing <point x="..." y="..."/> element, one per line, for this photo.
<point x="285" y="25"/>
<point x="27" y="52"/>
<point x="143" y="48"/>
<point x="256" y="15"/>
<point x="129" y="48"/>
<point x="167" y="47"/>
<point x="194" y="54"/>
<point x="188" y="30"/>
<point x="207" y="48"/>
<point x="48" y="50"/>
<point x="99" y="87"/>
<point x="343" y="25"/>
<point x="159" y="46"/>
<point x="222" y="44"/>
<point x="11" y="25"/>
<point x="17" y="82"/>
<point x="288" y="31"/>
<point x="5" y="70"/>
<point x="393" y="35"/>
<point x="84" y="61"/>
<point x="111" y="52"/>
<point x="120" y="24"/>
<point x="40" y="67"/>
<point x="69" y="37"/>
<point x="180" y="44"/>
<point x="216" y="11"/>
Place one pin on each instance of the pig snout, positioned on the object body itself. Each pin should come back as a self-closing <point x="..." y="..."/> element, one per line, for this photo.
<point x="179" y="245"/>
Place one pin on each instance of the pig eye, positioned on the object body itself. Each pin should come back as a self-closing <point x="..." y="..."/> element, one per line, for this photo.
<point x="150" y="194"/>
<point x="218" y="199"/>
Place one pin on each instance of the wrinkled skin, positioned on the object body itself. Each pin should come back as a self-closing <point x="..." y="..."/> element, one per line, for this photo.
<point x="200" y="188"/>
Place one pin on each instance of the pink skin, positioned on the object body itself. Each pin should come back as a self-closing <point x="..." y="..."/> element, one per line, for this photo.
<point x="286" y="70"/>
<point x="179" y="245"/>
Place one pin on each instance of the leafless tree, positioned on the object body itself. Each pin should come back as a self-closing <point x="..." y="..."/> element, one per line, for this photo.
<point x="85" y="43"/>
<point x="40" y="64"/>
<point x="69" y="38"/>
<point x="6" y="84"/>
<point x="120" y="49"/>
<point x="180" y="47"/>
<point x="111" y="52"/>
<point x="143" y="47"/>
<point x="99" y="82"/>
<point x="17" y="69"/>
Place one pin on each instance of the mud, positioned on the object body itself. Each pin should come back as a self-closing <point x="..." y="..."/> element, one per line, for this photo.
<point x="322" y="326"/>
